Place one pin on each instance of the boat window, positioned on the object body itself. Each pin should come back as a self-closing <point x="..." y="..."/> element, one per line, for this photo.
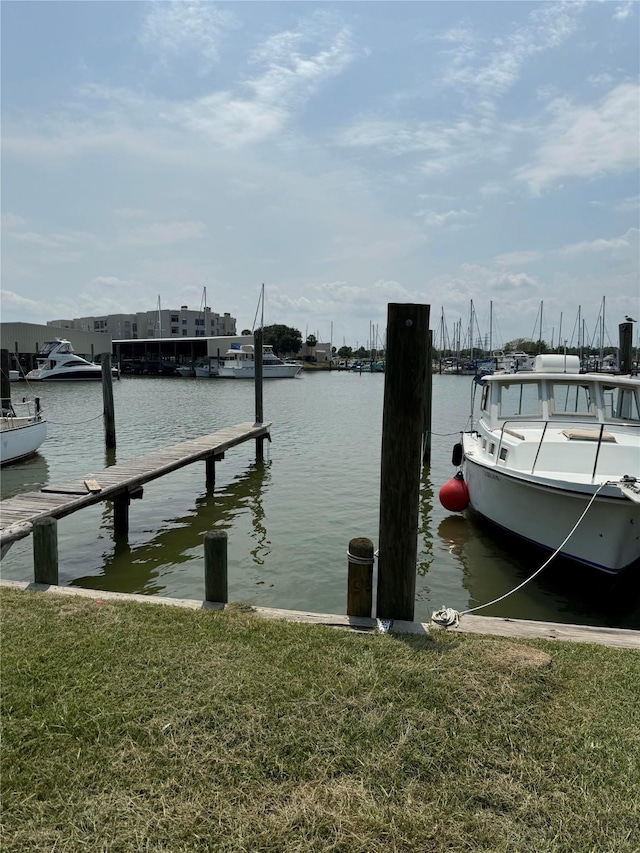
<point x="492" y="447"/>
<point x="504" y="453"/>
<point x="569" y="398"/>
<point x="519" y="399"/>
<point x="484" y="443"/>
<point x="621" y="404"/>
<point x="484" y="403"/>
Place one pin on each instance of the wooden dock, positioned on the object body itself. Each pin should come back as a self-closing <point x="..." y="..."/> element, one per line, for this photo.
<point x="119" y="483"/>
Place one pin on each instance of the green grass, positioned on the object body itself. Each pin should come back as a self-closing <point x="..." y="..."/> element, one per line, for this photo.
<point x="130" y="727"/>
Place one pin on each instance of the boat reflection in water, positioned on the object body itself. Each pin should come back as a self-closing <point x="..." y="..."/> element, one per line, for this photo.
<point x="177" y="547"/>
<point x="494" y="562"/>
<point x="30" y="475"/>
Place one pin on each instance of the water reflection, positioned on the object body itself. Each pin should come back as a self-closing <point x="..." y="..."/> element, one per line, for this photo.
<point x="425" y="541"/>
<point x="494" y="562"/>
<point x="28" y="475"/>
<point x="140" y="567"/>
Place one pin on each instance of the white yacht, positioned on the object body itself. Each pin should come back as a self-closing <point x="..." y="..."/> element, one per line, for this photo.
<point x="239" y="363"/>
<point x="57" y="361"/>
<point x="555" y="459"/>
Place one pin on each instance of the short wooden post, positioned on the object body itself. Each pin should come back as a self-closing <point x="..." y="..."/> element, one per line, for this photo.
<point x="107" y="399"/>
<point x="257" y="352"/>
<point x="210" y="469"/>
<point x="215" y="566"/>
<point x="45" y="551"/>
<point x="360" y="577"/>
<point x="121" y="514"/>
<point x="402" y="426"/>
<point x="625" y="337"/>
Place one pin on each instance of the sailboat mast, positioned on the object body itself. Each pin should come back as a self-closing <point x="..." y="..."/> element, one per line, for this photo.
<point x="490" y="326"/>
<point x="602" y="332"/>
<point x="540" y="333"/>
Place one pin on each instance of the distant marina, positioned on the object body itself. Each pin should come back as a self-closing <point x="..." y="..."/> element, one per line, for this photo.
<point x="290" y="518"/>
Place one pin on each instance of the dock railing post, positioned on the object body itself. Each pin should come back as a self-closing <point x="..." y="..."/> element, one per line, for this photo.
<point x="107" y="399"/>
<point x="360" y="577"/>
<point x="215" y="566"/>
<point x="257" y="354"/>
<point x="45" y="551"/>
<point x="403" y="421"/>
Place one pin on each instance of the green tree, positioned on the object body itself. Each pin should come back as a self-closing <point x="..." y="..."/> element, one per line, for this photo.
<point x="283" y="339"/>
<point x="311" y="341"/>
<point x="246" y="332"/>
<point x="345" y="352"/>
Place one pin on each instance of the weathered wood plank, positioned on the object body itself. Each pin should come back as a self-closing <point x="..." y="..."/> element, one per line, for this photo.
<point x="72" y="495"/>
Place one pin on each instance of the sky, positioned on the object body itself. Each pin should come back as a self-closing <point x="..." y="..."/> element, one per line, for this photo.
<point x="347" y="155"/>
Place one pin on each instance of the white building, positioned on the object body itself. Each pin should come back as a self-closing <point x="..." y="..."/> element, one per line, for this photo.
<point x="163" y="323"/>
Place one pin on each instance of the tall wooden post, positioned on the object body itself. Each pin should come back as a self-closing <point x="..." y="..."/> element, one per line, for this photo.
<point x="426" y="436"/>
<point x="402" y="426"/>
<point x="107" y="399"/>
<point x="257" y="352"/>
<point x="360" y="577"/>
<point x="45" y="551"/>
<point x="5" y="381"/>
<point x="215" y="566"/>
<point x="625" y="337"/>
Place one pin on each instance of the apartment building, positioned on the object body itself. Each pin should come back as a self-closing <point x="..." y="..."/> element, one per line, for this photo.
<point x="162" y="323"/>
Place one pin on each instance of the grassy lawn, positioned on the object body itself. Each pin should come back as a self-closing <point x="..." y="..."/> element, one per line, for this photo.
<point x="129" y="727"/>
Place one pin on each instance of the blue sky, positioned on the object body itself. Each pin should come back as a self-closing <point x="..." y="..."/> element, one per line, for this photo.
<point x="345" y="154"/>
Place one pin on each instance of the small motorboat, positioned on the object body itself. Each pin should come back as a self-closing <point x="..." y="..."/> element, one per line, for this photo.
<point x="22" y="430"/>
<point x="555" y="458"/>
<point x="58" y="362"/>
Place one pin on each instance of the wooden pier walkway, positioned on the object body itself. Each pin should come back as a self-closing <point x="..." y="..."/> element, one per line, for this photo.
<point x="120" y="482"/>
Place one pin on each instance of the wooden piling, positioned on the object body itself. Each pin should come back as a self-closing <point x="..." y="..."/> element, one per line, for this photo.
<point x="107" y="399"/>
<point x="402" y="427"/>
<point x="215" y="566"/>
<point x="45" y="550"/>
<point x="5" y="381"/>
<point x="426" y="435"/>
<point x="257" y="353"/>
<point x="360" y="577"/>
<point x="121" y="514"/>
<point x="625" y="337"/>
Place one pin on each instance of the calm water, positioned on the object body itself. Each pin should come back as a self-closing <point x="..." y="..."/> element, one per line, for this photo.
<point x="290" y="519"/>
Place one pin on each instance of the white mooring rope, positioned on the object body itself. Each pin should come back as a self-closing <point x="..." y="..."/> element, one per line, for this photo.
<point x="447" y="617"/>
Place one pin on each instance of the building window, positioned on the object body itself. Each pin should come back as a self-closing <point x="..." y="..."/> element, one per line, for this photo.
<point x="174" y="330"/>
<point x="175" y="318"/>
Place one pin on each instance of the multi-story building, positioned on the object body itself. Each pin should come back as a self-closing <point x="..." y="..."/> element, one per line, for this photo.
<point x="162" y="323"/>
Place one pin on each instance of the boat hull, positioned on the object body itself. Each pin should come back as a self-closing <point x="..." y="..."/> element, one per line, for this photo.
<point x="22" y="440"/>
<point x="75" y="375"/>
<point x="608" y="538"/>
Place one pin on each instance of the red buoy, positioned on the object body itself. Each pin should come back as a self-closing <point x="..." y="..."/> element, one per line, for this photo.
<point x="454" y="494"/>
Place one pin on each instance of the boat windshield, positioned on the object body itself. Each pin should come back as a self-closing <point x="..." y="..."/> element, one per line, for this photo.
<point x="568" y="398"/>
<point x="519" y="399"/>
<point x="621" y="403"/>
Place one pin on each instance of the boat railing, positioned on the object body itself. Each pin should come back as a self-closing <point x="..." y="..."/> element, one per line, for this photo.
<point x="597" y="434"/>
<point x="26" y="408"/>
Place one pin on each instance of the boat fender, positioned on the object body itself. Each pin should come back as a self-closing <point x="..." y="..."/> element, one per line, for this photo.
<point x="456" y="455"/>
<point x="454" y="494"/>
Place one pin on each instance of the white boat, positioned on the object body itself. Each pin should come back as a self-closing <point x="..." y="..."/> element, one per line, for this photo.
<point x="239" y="363"/>
<point x="58" y="362"/>
<point x="22" y="431"/>
<point x="550" y="445"/>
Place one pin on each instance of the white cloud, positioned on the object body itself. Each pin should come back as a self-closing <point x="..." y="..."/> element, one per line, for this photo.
<point x="129" y="212"/>
<point x="517" y="258"/>
<point x="548" y="26"/>
<point x="587" y="141"/>
<point x="13" y="301"/>
<point x="623" y="11"/>
<point x="161" y="233"/>
<point x="453" y="219"/>
<point x="12" y="220"/>
<point x="613" y="245"/>
<point x="186" y="28"/>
